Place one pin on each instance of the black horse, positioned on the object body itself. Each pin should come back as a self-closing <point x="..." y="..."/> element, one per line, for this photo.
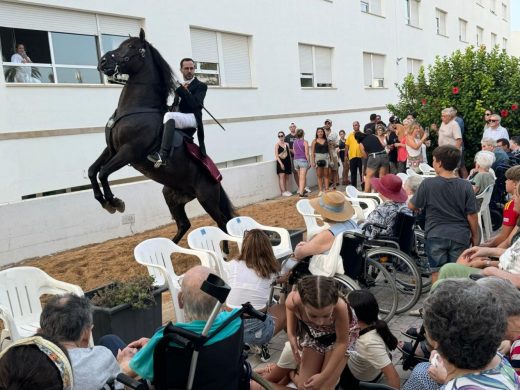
<point x="135" y="132"/>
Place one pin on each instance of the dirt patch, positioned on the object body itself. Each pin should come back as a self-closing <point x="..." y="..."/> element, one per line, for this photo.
<point x="95" y="265"/>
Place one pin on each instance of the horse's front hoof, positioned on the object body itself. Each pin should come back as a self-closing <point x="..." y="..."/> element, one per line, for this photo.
<point x="118" y="204"/>
<point x="108" y="207"/>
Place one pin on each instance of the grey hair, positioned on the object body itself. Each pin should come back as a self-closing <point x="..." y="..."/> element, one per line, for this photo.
<point x="488" y="142"/>
<point x="448" y="111"/>
<point x="497" y="117"/>
<point x="197" y="304"/>
<point x="506" y="293"/>
<point x="485" y="159"/>
<point x="65" y="317"/>
<point x="413" y="183"/>
<point x="467" y="321"/>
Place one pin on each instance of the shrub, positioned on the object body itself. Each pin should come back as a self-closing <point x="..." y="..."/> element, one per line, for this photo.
<point x="471" y="81"/>
<point x="137" y="292"/>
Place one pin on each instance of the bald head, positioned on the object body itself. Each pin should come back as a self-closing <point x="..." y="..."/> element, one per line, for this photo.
<point x="197" y="304"/>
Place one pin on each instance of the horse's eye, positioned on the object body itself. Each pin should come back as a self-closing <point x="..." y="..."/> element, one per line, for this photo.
<point x="130" y="46"/>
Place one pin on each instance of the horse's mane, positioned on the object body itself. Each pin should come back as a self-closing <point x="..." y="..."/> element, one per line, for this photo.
<point x="165" y="71"/>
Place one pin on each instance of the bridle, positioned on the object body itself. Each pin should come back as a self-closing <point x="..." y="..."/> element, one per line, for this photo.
<point x="117" y="78"/>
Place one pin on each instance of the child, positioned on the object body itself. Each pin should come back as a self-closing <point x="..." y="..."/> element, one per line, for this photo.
<point x="371" y="356"/>
<point x="394" y="197"/>
<point x="327" y="328"/>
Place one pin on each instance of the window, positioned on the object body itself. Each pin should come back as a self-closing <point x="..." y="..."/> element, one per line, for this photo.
<point x="371" y="6"/>
<point x="315" y="66"/>
<point x="440" y="20"/>
<point x="221" y="58"/>
<point x="480" y="36"/>
<point x="504" y="43"/>
<point x="463" y="27"/>
<point x="412" y="12"/>
<point x="493" y="39"/>
<point x="374" y="70"/>
<point x="504" y="11"/>
<point x="493" y="6"/>
<point x="413" y="65"/>
<point x="59" y="46"/>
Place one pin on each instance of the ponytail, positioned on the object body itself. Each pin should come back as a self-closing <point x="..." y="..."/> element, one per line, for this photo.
<point x="384" y="331"/>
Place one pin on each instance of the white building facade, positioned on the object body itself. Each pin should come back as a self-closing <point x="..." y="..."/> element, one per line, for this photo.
<point x="269" y="63"/>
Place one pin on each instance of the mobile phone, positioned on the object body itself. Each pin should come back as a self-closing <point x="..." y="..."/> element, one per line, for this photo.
<point x="435" y="360"/>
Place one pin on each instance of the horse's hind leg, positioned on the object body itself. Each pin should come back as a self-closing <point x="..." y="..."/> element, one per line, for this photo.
<point x="118" y="161"/>
<point x="176" y="202"/>
<point x="210" y="201"/>
<point x="92" y="175"/>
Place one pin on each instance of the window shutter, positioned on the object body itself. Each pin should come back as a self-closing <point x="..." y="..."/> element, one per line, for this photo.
<point x="204" y="45"/>
<point x="323" y="65"/>
<point x="305" y="59"/>
<point x="235" y="52"/>
<point x="367" y="69"/>
<point x="116" y="25"/>
<point x="33" y="17"/>
<point x="378" y="66"/>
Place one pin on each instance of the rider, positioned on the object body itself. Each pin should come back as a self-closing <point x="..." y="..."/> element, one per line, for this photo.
<point x="191" y="95"/>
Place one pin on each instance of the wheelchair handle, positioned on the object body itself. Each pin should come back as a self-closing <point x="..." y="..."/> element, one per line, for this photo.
<point x="131" y="383"/>
<point x="374" y="224"/>
<point x="248" y="309"/>
<point x="216" y="287"/>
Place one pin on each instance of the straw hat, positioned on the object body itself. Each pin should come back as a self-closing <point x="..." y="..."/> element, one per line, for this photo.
<point x="391" y="187"/>
<point x="334" y="206"/>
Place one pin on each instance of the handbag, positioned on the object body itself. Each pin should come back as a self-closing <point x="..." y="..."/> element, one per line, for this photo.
<point x="321" y="163"/>
<point x="283" y="155"/>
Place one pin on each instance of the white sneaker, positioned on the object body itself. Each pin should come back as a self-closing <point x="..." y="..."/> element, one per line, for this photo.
<point x="320" y="193"/>
<point x="286" y="193"/>
<point x="307" y="189"/>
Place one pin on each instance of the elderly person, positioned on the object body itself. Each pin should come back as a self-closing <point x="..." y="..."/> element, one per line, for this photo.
<point x="427" y="377"/>
<point x="494" y="130"/>
<point x="36" y="362"/>
<point x="197" y="306"/>
<point x="490" y="145"/>
<point x="480" y="177"/>
<point x="68" y="319"/>
<point x="449" y="132"/>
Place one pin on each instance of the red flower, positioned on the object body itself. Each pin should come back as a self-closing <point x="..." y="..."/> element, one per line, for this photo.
<point x="504" y="113"/>
<point x="455" y="90"/>
<point x="514" y="107"/>
<point x="423" y="102"/>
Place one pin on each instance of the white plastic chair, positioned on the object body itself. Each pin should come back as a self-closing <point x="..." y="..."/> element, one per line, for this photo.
<point x="20" y="291"/>
<point x="411" y="172"/>
<point x="426" y="169"/>
<point x="155" y="254"/>
<point x="360" y="215"/>
<point x="238" y="225"/>
<point x="403" y="177"/>
<point x="353" y="193"/>
<point x="311" y="218"/>
<point x="208" y="239"/>
<point x="484" y="215"/>
<point x="366" y="204"/>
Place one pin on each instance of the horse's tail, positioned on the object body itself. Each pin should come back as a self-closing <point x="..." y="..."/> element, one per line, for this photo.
<point x="225" y="205"/>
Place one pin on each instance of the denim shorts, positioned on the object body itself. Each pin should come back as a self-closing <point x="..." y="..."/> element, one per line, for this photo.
<point x="442" y="251"/>
<point x="257" y="332"/>
<point x="300" y="163"/>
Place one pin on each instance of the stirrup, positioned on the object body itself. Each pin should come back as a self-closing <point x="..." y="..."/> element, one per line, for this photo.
<point x="156" y="159"/>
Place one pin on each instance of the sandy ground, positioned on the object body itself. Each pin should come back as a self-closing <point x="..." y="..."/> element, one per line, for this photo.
<point x="95" y="265"/>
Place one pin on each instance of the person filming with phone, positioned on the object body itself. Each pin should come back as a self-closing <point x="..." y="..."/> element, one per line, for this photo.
<point x="23" y="73"/>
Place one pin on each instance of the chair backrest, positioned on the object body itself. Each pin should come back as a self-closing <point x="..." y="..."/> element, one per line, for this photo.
<point x="404" y="229"/>
<point x="352" y="192"/>
<point x="426" y="168"/>
<point x="486" y="197"/>
<point x="20" y="291"/>
<point x="238" y="225"/>
<point x="360" y="216"/>
<point x="219" y="365"/>
<point x="411" y="172"/>
<point x="310" y="218"/>
<point x="367" y="204"/>
<point x="402" y="176"/>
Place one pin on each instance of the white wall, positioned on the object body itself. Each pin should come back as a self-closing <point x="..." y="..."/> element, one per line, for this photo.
<point x="514" y="44"/>
<point x="42" y="226"/>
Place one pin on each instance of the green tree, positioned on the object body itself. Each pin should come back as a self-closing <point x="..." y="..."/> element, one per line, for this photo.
<point x="471" y="81"/>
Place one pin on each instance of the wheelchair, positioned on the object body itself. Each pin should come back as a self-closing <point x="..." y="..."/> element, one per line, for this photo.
<point x="183" y="361"/>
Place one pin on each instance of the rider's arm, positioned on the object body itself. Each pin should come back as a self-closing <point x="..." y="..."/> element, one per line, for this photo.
<point x="196" y="99"/>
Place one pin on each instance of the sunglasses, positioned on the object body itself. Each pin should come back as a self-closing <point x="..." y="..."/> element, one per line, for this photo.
<point x="493" y="120"/>
<point x="487" y="114"/>
<point x="280" y="136"/>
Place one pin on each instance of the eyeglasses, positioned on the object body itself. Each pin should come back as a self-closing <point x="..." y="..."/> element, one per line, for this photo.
<point x="280" y="136"/>
<point x="493" y="120"/>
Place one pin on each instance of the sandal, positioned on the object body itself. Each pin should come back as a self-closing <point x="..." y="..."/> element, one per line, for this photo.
<point x="413" y="333"/>
<point x="407" y="348"/>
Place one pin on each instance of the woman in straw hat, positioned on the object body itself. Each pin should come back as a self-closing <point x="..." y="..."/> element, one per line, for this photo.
<point x="337" y="211"/>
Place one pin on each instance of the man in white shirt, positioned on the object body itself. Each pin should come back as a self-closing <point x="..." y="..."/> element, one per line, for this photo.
<point x="494" y="130"/>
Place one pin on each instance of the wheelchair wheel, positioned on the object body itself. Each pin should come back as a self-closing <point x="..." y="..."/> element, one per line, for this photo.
<point x="380" y="283"/>
<point x="404" y="272"/>
<point x="422" y="261"/>
<point x="261" y="381"/>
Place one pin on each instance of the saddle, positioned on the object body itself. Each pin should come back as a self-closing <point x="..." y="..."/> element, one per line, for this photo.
<point x="182" y="137"/>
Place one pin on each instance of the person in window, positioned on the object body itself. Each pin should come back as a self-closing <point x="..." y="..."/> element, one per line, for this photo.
<point x="189" y="97"/>
<point x="23" y="73"/>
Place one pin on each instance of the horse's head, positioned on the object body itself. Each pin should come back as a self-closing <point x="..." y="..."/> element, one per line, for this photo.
<point x="128" y="58"/>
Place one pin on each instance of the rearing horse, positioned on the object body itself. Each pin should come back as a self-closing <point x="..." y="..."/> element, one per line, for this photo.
<point x="135" y="132"/>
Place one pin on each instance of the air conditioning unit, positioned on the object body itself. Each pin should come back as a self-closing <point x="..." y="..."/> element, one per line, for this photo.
<point x="378" y="83"/>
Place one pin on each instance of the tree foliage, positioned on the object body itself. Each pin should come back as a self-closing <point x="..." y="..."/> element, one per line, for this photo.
<point x="471" y="81"/>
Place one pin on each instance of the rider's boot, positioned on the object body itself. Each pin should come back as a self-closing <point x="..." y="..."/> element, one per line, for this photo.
<point x="159" y="158"/>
